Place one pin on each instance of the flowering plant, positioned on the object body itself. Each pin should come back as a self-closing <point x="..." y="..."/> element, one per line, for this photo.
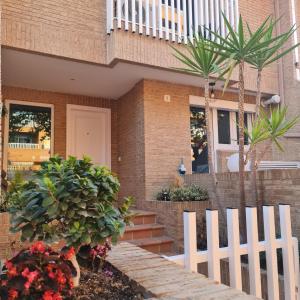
<point x="37" y="273"/>
<point x="93" y="256"/>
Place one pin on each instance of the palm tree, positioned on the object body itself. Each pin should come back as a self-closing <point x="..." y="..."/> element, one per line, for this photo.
<point x="260" y="61"/>
<point x="201" y="58"/>
<point x="238" y="47"/>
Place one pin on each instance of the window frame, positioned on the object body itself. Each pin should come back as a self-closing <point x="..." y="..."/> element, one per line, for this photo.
<point x="232" y="107"/>
<point x="7" y="103"/>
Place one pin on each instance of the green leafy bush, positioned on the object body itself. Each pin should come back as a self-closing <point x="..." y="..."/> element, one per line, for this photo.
<point x="183" y="193"/>
<point x="71" y="200"/>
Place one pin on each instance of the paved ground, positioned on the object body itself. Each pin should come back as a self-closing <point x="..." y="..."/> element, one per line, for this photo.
<point x="163" y="279"/>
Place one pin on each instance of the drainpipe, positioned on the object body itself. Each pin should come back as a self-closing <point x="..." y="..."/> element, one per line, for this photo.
<point x="1" y="103"/>
<point x="280" y="62"/>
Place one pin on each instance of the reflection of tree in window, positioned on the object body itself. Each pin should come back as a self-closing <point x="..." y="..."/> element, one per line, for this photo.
<point x="32" y="122"/>
<point x="198" y="140"/>
<point x="29" y="139"/>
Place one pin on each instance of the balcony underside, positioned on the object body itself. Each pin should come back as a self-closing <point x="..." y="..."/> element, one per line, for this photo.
<point x="41" y="72"/>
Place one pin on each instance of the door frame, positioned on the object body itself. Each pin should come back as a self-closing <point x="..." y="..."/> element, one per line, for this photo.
<point x="107" y="111"/>
<point x="7" y="103"/>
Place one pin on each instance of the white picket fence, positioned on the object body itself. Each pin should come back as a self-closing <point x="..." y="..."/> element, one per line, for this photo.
<point x="174" y="20"/>
<point x="290" y="252"/>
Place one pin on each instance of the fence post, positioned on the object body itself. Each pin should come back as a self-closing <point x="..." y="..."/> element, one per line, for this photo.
<point x="287" y="252"/>
<point x="253" y="252"/>
<point x="212" y="227"/>
<point x="190" y="240"/>
<point x="234" y="248"/>
<point x="296" y="260"/>
<point x="271" y="252"/>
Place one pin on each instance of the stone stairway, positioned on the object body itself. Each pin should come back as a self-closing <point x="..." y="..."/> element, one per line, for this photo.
<point x="147" y="234"/>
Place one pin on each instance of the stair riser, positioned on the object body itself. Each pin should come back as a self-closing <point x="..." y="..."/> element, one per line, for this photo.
<point x="159" y="248"/>
<point x="139" y="220"/>
<point x="142" y="234"/>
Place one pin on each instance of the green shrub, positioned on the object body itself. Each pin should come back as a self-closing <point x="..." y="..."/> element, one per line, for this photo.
<point x="71" y="200"/>
<point x="183" y="193"/>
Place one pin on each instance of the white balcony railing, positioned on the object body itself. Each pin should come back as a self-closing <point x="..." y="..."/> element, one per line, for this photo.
<point x="23" y="146"/>
<point x="174" y="20"/>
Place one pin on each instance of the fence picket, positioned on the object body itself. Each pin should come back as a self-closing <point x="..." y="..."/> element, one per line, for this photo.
<point x="140" y="16"/>
<point x="212" y="225"/>
<point x="190" y="240"/>
<point x="287" y="252"/>
<point x="253" y="252"/>
<point x="154" y="18"/>
<point x="271" y="252"/>
<point x="119" y="10"/>
<point x="214" y="253"/>
<point x="133" y="17"/>
<point x="147" y="17"/>
<point x="234" y="248"/>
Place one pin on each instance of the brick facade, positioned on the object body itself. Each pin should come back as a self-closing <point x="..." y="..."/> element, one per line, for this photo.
<point x="77" y="30"/>
<point x="60" y="102"/>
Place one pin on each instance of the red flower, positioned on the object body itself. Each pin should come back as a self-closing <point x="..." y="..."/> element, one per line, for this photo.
<point x="38" y="247"/>
<point x="69" y="254"/>
<point x="49" y="295"/>
<point x="12" y="272"/>
<point x="13" y="294"/>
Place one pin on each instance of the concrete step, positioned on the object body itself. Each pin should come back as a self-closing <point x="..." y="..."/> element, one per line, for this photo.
<point x="143" y="231"/>
<point x="143" y="217"/>
<point x="159" y="245"/>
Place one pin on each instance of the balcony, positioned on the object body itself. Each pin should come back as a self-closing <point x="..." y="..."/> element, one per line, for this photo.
<point x="171" y="20"/>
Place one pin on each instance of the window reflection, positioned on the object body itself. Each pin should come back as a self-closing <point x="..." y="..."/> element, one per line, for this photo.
<point x="198" y="140"/>
<point x="29" y="138"/>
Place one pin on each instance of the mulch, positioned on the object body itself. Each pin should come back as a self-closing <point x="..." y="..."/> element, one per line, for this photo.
<point x="108" y="283"/>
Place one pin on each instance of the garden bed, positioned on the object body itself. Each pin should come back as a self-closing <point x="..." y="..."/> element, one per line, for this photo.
<point x="108" y="284"/>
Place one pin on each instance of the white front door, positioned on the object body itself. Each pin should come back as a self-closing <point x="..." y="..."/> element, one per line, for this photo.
<point x="89" y="133"/>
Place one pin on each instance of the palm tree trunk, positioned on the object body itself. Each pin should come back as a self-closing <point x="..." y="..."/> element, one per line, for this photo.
<point x="211" y="164"/>
<point x="208" y="132"/>
<point x="241" y="149"/>
<point x="253" y="175"/>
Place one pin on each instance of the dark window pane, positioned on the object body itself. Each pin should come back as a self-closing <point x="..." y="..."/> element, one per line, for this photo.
<point x="29" y="138"/>
<point x="224" y="127"/>
<point x="246" y="126"/>
<point x="198" y="140"/>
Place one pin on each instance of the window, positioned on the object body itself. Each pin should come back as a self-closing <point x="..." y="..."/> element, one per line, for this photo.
<point x="29" y="138"/>
<point x="199" y="149"/>
<point x="224" y="127"/>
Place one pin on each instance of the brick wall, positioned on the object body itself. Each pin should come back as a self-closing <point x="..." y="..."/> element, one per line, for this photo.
<point x="60" y="102"/>
<point x="290" y="85"/>
<point x="275" y="186"/>
<point x="74" y="29"/>
<point x="131" y="143"/>
<point x="77" y="30"/>
<point x="170" y="214"/>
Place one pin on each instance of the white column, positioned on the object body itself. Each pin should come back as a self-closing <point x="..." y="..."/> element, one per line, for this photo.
<point x="126" y="14"/>
<point x="166" y="20"/>
<point x="190" y="241"/>
<point x="234" y="248"/>
<point x="109" y="15"/>
<point x="133" y="17"/>
<point x="147" y="17"/>
<point x="212" y="227"/>
<point x="271" y="252"/>
<point x="190" y="21"/>
<point x="253" y="253"/>
<point x="119" y="16"/>
<point x="153" y="18"/>
<point x="196" y="18"/>
<point x="160" y="19"/>
<point x="179" y="21"/>
<point x="184" y="22"/>
<point x="287" y="252"/>
<point x="140" y="16"/>
<point x="173" y="20"/>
